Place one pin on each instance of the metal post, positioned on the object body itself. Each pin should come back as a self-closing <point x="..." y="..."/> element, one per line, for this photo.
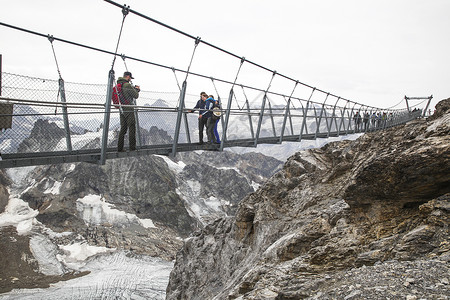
<point x="138" y="129"/>
<point x="186" y="127"/>
<point x="271" y="118"/>
<point x="305" y="115"/>
<point x="250" y="119"/>
<point x="349" y="118"/>
<point x="179" y="115"/>
<point x="333" y="117"/>
<point x="62" y="92"/>
<point x="423" y="114"/>
<point x="1" y="74"/>
<point x="286" y="112"/>
<point x="320" y="120"/>
<point x="227" y="118"/>
<point x="407" y="105"/>
<point x="261" y="113"/>
<point x="261" y="116"/>
<point x="328" y="123"/>
<point x="106" y="117"/>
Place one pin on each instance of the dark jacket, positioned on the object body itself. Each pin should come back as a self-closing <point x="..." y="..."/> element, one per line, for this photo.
<point x="200" y="106"/>
<point x="129" y="92"/>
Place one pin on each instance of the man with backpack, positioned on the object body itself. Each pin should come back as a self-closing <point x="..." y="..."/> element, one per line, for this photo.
<point x="127" y="95"/>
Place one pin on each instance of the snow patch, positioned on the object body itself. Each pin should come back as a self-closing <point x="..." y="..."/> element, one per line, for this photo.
<point x="19" y="214"/>
<point x="113" y="276"/>
<point x="177" y="167"/>
<point x="45" y="253"/>
<point x="96" y="211"/>
<point x="55" y="189"/>
<point x="214" y="203"/>
<point x="230" y="168"/>
<point x="71" y="168"/>
<point x="147" y="223"/>
<point x="18" y="175"/>
<point x="77" y="253"/>
<point x="255" y="185"/>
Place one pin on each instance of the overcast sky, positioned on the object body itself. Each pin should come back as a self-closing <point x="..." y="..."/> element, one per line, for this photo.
<point x="372" y="52"/>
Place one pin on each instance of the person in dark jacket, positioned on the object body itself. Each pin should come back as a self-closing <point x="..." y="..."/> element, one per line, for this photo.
<point x="201" y="121"/>
<point x="127" y="119"/>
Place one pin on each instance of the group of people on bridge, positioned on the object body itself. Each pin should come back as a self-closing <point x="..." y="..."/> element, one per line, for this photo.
<point x="367" y="121"/>
<point x="208" y="116"/>
<point x="126" y="93"/>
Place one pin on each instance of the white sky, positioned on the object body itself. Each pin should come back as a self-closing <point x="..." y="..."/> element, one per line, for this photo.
<point x="372" y="52"/>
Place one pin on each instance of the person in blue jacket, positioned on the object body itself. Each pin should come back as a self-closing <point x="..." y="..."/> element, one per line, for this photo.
<point x="216" y="117"/>
<point x="201" y="121"/>
<point x="210" y="123"/>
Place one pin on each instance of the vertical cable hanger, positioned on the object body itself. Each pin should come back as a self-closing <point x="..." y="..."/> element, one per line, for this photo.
<point x="176" y="78"/>
<point x="125" y="11"/>
<point x="123" y="58"/>
<point x="51" y="39"/>
<point x="197" y="41"/>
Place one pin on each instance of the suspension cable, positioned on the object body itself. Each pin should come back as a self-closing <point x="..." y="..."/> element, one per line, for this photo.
<point x="215" y="88"/>
<point x="245" y="95"/>
<point x="156" y="64"/>
<point x="51" y="39"/>
<point x="213" y="46"/>
<point x="197" y="41"/>
<point x="123" y="58"/>
<point x="176" y="78"/>
<point x="125" y="11"/>
<point x="401" y="101"/>
<point x="237" y="103"/>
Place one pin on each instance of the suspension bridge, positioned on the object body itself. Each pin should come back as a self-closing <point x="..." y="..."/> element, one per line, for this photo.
<point x="47" y="121"/>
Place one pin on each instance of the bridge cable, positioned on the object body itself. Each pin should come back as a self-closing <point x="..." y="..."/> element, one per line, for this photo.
<point x="125" y="11"/>
<point x="176" y="78"/>
<point x="153" y="63"/>
<point x="197" y="41"/>
<point x="213" y="46"/>
<point x="123" y="58"/>
<point x="401" y="101"/>
<point x="215" y="88"/>
<point x="245" y="95"/>
<point x="51" y="39"/>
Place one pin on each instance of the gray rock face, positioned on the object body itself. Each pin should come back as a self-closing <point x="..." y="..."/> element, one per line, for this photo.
<point x="4" y="194"/>
<point x="332" y="221"/>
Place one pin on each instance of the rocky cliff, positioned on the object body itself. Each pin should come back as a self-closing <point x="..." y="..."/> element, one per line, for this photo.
<point x="363" y="219"/>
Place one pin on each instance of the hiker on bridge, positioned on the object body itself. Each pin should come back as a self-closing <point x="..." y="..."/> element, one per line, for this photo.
<point x="127" y="119"/>
<point x="373" y="119"/>
<point x="201" y="121"/>
<point x="211" y="122"/>
<point x="366" y="120"/>
<point x="357" y="120"/>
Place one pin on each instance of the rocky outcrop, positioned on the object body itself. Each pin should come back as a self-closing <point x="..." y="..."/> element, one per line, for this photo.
<point x="331" y="221"/>
<point x="4" y="194"/>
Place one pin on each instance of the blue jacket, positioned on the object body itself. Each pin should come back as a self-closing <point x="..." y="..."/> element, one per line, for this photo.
<point x="209" y="105"/>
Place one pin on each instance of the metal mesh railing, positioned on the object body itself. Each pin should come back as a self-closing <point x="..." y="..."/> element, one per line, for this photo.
<point x="37" y="119"/>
